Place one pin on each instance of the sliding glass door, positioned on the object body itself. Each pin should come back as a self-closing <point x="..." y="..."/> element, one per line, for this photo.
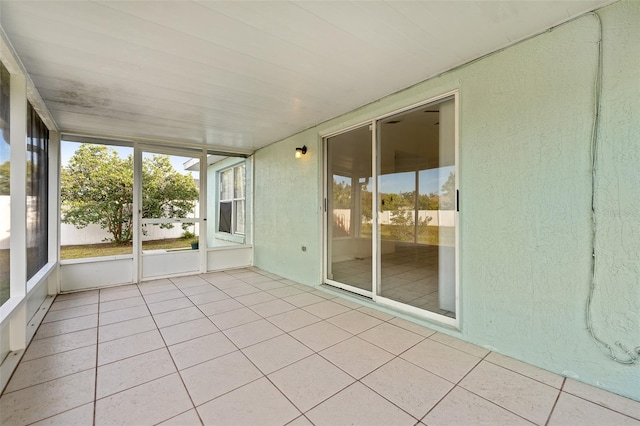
<point x="349" y="207"/>
<point x="404" y="254"/>
<point x="417" y="207"/>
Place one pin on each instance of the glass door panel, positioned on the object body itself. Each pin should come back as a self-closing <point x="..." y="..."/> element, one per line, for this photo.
<point x="416" y="207"/>
<point x="170" y="222"/>
<point x="349" y="207"/>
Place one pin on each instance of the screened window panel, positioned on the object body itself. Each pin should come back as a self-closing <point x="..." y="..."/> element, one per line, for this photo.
<point x="37" y="192"/>
<point x="239" y="217"/>
<point x="226" y="185"/>
<point x="5" y="195"/>
<point x="225" y="217"/>
<point x="239" y="182"/>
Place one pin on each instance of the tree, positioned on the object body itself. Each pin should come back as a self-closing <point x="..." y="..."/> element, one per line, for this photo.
<point x="448" y="193"/>
<point x="5" y="169"/>
<point x="97" y="187"/>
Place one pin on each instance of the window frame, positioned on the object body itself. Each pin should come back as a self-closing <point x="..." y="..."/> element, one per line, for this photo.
<point x="233" y="200"/>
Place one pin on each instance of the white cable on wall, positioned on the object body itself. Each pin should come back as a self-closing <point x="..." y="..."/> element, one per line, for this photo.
<point x="602" y="345"/>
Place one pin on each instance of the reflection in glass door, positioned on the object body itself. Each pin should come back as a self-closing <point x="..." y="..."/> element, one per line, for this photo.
<point x="416" y="208"/>
<point x="349" y="208"/>
<point x="170" y="219"/>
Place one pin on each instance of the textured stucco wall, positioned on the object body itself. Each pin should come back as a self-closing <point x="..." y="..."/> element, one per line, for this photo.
<point x="526" y="116"/>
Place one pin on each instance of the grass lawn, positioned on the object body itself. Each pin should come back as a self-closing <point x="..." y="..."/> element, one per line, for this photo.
<point x="110" y="249"/>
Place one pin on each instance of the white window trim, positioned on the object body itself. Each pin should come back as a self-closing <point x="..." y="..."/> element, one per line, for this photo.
<point x="231" y="200"/>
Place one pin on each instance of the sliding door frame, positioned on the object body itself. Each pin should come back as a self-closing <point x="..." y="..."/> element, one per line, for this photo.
<point x="376" y="238"/>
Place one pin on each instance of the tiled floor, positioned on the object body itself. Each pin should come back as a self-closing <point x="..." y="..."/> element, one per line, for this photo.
<point x="246" y="347"/>
<point x="409" y="275"/>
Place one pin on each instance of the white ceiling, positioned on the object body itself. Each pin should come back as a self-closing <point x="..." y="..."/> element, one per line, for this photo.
<point x="241" y="75"/>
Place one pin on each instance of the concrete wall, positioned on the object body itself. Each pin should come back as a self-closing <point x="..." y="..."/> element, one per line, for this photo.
<point x="526" y="116"/>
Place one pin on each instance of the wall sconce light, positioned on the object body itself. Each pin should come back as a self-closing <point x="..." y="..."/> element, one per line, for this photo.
<point x="301" y="151"/>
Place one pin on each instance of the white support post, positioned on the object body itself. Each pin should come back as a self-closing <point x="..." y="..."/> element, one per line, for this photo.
<point x="202" y="213"/>
<point x="137" y="213"/>
<point x="53" y="283"/>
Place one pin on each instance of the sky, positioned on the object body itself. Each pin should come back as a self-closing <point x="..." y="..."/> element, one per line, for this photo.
<point x="430" y="180"/>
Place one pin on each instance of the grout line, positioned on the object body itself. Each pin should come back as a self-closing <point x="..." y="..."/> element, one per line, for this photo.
<point x="555" y="402"/>
<point x="166" y="348"/>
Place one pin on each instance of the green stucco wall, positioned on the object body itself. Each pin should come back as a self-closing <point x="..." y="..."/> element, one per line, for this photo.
<point x="526" y="116"/>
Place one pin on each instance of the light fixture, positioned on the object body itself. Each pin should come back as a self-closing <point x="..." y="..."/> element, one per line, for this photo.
<point x="301" y="151"/>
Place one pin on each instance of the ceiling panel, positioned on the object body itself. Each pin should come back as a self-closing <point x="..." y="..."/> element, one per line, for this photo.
<point x="242" y="75"/>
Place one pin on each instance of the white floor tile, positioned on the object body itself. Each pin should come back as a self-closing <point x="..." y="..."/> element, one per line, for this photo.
<point x="176" y="317"/>
<point x="187" y="330"/>
<point x="519" y="394"/>
<point x="358" y="405"/>
<point x="354" y="322"/>
<point x="258" y="403"/>
<point x="326" y="309"/>
<point x="606" y="399"/>
<point x="213" y="378"/>
<point x="51" y="367"/>
<point x="293" y="320"/>
<point x="528" y="370"/>
<point x="80" y="416"/>
<point x="63" y="314"/>
<point x="320" y="335"/>
<point x="147" y="404"/>
<point x="169" y="305"/>
<point x="276" y="353"/>
<point x="125" y="328"/>
<point x="75" y="302"/>
<point x="252" y="333"/>
<point x="412" y="326"/>
<point x="409" y="387"/>
<point x="121" y="315"/>
<point x="356" y="356"/>
<point x="115" y="350"/>
<point x="571" y="410"/>
<point x="188" y="418"/>
<point x="62" y="343"/>
<point x="195" y="351"/>
<point x="461" y="407"/>
<point x="391" y="338"/>
<point x="163" y="296"/>
<point x="234" y="318"/>
<point x="310" y="381"/>
<point x="57" y="328"/>
<point x="53" y="397"/>
<point x="133" y="371"/>
<point x="115" y="305"/>
<point x="461" y="345"/>
<point x="255" y="298"/>
<point x="441" y="360"/>
<point x="273" y="307"/>
<point x="303" y="299"/>
<point x="208" y="297"/>
<point x="220" y="306"/>
<point x="285" y="291"/>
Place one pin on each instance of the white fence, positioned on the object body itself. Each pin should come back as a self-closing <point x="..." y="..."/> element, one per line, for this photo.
<point x="92" y="234"/>
<point x="438" y="217"/>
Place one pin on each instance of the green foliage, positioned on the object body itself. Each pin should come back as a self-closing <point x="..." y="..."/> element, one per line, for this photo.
<point x="448" y="190"/>
<point x="341" y="195"/>
<point x="97" y="187"/>
<point x="165" y="192"/>
<point x="187" y="235"/>
<point x="5" y="170"/>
